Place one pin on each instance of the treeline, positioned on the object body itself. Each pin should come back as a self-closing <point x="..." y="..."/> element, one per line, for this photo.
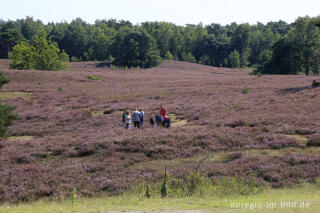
<point x="274" y="47"/>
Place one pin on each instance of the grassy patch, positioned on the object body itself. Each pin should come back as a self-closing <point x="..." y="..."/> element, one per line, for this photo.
<point x="97" y="113"/>
<point x="222" y="156"/>
<point x="20" y="138"/>
<point x="177" y="122"/>
<point x="300" y="138"/>
<point x="94" y="77"/>
<point x="307" y="195"/>
<point x="14" y="95"/>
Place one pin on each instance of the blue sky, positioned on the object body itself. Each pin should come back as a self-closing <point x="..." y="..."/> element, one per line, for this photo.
<point x="177" y="11"/>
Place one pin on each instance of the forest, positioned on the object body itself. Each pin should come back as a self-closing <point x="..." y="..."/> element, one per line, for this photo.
<point x="273" y="48"/>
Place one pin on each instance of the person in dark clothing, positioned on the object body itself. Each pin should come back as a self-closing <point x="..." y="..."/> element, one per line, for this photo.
<point x="159" y="119"/>
<point x="141" y="117"/>
<point x="124" y="117"/>
<point x="152" y="121"/>
<point x="168" y="123"/>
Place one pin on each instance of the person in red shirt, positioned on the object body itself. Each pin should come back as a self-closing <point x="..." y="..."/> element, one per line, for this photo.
<point x="163" y="113"/>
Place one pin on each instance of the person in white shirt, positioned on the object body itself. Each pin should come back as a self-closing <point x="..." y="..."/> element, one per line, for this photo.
<point x="128" y="120"/>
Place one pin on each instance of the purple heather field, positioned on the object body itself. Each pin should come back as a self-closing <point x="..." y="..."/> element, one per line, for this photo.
<point x="266" y="127"/>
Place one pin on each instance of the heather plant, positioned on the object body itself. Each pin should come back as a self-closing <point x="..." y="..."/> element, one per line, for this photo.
<point x="85" y="147"/>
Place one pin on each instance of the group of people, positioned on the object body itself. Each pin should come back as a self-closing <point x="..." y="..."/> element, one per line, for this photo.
<point x="137" y="117"/>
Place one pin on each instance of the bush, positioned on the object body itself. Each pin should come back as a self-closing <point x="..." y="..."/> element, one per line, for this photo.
<point x="188" y="57"/>
<point x="6" y="115"/>
<point x="42" y="55"/>
<point x="198" y="185"/>
<point x="168" y="56"/>
<point x="94" y="77"/>
<point x="3" y="80"/>
<point x="245" y="90"/>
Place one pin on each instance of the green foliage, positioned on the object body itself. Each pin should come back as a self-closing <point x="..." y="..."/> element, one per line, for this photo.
<point x="10" y="35"/>
<point x="94" y="77"/>
<point x="22" y="57"/>
<point x="42" y="55"/>
<point x="75" y="59"/>
<point x="205" y="60"/>
<point x="3" y="80"/>
<point x="134" y="48"/>
<point x="318" y="182"/>
<point x="168" y="56"/>
<point x="110" y="59"/>
<point x="6" y="118"/>
<point x="188" y="57"/>
<point x="275" y="47"/>
<point x="245" y="90"/>
<point x="229" y="186"/>
<point x="234" y="59"/>
<point x="74" y="195"/>
<point x="198" y="185"/>
<point x="6" y="115"/>
<point x="298" y="51"/>
<point x="60" y="89"/>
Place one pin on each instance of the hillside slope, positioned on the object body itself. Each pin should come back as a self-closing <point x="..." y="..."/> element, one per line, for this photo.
<point x="69" y="133"/>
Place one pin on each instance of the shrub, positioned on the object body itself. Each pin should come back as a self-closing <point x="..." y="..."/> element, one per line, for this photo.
<point x="3" y="80"/>
<point x="42" y="55"/>
<point x="6" y="115"/>
<point x="75" y="59"/>
<point x="188" y="57"/>
<point x="168" y="56"/>
<point x="314" y="141"/>
<point x="198" y="185"/>
<point x="245" y="90"/>
<point x="94" y="77"/>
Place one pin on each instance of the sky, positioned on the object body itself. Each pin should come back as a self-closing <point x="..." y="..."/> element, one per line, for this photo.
<point x="180" y="12"/>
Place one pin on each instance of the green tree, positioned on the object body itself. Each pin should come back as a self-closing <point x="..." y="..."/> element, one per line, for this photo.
<point x="10" y="35"/>
<point x="234" y="59"/>
<point x="42" y="55"/>
<point x="188" y="57"/>
<point x="241" y="42"/>
<point x="135" y="48"/>
<point x="29" y="27"/>
<point x="168" y="56"/>
<point x="298" y="51"/>
<point x="22" y="56"/>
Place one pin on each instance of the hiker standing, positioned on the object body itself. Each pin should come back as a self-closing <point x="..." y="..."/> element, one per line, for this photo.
<point x="152" y="121"/>
<point x="163" y="113"/>
<point x="159" y="120"/>
<point x="136" y="116"/>
<point x="127" y="120"/>
<point x="142" y="117"/>
<point x="124" y="114"/>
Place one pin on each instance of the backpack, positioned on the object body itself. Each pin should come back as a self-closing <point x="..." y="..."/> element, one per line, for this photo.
<point x="159" y="119"/>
